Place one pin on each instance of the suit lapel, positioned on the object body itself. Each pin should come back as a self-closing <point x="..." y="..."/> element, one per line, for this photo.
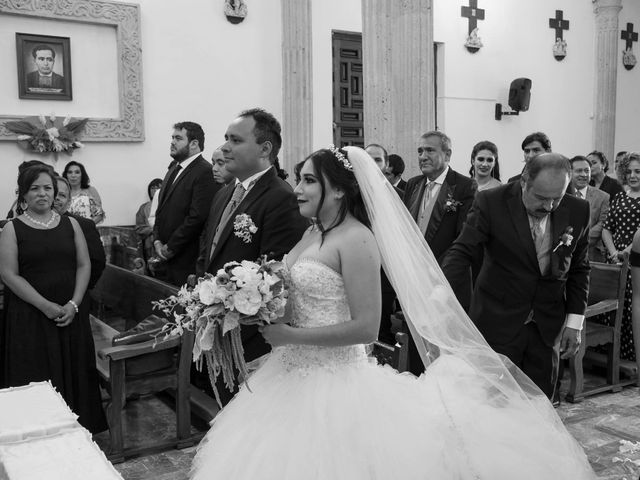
<point x="521" y="223"/>
<point x="448" y="188"/>
<point x="181" y="177"/>
<point x="261" y="186"/>
<point x="559" y="221"/>
<point x="218" y="208"/>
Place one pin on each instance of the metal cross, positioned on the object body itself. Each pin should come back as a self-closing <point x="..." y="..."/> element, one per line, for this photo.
<point x="473" y="13"/>
<point x="629" y="36"/>
<point x="559" y="24"/>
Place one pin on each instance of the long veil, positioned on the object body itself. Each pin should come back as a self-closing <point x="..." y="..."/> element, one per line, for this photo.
<point x="435" y="317"/>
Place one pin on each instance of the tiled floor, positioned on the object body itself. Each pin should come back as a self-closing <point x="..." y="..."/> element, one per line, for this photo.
<point x="599" y="423"/>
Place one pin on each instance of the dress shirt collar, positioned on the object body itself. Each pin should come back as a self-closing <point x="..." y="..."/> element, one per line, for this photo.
<point x="583" y="191"/>
<point x="249" y="182"/>
<point x="441" y="177"/>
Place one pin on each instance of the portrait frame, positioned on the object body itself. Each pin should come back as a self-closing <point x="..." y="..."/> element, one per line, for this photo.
<point x="60" y="84"/>
<point x="128" y="126"/>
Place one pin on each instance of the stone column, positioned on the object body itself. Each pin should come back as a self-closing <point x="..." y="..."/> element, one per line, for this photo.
<point x="607" y="53"/>
<point x="297" y="99"/>
<point x="398" y="62"/>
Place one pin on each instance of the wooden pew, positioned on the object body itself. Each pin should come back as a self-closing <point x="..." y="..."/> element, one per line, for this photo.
<point x="123" y="294"/>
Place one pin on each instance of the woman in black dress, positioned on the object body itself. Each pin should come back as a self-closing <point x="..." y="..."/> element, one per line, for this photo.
<point x="599" y="177"/>
<point x="45" y="267"/>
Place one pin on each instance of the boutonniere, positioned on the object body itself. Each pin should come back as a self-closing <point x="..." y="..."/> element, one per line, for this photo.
<point x="451" y="205"/>
<point x="565" y="239"/>
<point x="243" y="227"/>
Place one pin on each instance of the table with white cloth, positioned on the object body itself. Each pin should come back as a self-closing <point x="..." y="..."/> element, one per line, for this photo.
<point x="40" y="437"/>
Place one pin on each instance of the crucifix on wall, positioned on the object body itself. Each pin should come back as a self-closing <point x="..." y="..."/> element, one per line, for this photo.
<point x="628" y="57"/>
<point x="473" y="14"/>
<point x="559" y="24"/>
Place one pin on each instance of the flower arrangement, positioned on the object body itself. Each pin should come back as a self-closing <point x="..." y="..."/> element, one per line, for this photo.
<point x="243" y="227"/>
<point x="215" y="308"/>
<point x="42" y="134"/>
<point x="451" y="205"/>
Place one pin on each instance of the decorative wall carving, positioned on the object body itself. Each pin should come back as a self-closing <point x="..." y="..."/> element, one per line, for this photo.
<point x="125" y="17"/>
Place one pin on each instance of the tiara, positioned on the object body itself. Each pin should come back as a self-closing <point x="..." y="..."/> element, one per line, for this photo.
<point x="341" y="158"/>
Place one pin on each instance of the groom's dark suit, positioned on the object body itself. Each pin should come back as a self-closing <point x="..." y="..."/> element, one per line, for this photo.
<point x="273" y="208"/>
<point x="182" y="210"/>
<point x="510" y="285"/>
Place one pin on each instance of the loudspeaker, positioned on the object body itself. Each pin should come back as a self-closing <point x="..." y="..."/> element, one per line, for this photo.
<point x="520" y="94"/>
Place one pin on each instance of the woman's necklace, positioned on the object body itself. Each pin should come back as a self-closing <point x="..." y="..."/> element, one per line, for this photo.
<point x="46" y="224"/>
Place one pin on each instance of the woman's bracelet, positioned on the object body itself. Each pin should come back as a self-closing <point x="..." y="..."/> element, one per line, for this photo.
<point x="74" y="305"/>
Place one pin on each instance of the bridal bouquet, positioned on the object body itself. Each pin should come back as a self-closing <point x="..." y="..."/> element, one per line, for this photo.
<point x="216" y="307"/>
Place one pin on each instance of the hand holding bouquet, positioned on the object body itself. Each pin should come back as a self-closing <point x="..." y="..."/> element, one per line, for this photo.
<point x="241" y="293"/>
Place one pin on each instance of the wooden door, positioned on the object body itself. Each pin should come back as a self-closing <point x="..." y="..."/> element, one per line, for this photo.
<point x="347" y="89"/>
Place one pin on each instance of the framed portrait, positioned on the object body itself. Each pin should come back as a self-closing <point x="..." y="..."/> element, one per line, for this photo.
<point x="44" y="67"/>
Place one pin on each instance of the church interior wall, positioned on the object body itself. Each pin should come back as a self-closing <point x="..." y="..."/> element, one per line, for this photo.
<point x="517" y="42"/>
<point x="628" y="93"/>
<point x="196" y="66"/>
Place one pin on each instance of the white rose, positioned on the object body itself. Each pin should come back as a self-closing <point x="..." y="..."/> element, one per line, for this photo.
<point x="247" y="301"/>
<point x="208" y="292"/>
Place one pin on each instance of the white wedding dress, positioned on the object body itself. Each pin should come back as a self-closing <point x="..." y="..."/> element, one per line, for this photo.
<point x="331" y="413"/>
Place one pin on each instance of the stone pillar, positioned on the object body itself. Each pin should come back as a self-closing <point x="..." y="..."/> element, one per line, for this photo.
<point x="607" y="54"/>
<point x="398" y="62"/>
<point x="297" y="99"/>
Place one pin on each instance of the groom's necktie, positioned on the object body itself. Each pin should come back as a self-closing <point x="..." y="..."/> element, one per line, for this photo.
<point x="236" y="198"/>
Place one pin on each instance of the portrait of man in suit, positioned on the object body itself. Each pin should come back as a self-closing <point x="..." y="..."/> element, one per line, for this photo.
<point x="43" y="77"/>
<point x="598" y="205"/>
<point x="183" y="203"/>
<point x="438" y="201"/>
<point x="252" y="142"/>
<point x="531" y="293"/>
<point x="44" y="67"/>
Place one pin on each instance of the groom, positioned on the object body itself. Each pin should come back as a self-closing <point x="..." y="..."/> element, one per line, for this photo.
<point x="252" y="142"/>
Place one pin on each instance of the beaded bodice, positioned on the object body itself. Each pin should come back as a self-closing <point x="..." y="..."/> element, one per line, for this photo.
<point x="318" y="299"/>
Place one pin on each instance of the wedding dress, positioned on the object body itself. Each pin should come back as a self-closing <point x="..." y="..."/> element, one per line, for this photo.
<point x="332" y="413"/>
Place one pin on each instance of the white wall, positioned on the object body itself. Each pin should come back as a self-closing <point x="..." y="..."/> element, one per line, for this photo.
<point x="628" y="96"/>
<point x="196" y="66"/>
<point x="325" y="20"/>
<point x="517" y="43"/>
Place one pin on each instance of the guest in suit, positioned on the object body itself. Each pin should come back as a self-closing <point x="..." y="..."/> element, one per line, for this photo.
<point x="485" y="169"/>
<point x="599" y="177"/>
<point x="598" y="205"/>
<point x="97" y="256"/>
<point x="531" y="294"/>
<point x="394" y="171"/>
<point x="252" y="142"/>
<point x="220" y="174"/>
<point x="183" y="203"/>
<point x="44" y="78"/>
<point x="379" y="155"/>
<point x="532" y="145"/>
<point x="438" y="200"/>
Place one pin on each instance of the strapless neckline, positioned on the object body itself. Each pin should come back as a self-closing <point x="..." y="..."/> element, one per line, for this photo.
<point x="313" y="261"/>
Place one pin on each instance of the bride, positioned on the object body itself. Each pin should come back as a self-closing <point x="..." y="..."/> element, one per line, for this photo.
<point x="319" y="408"/>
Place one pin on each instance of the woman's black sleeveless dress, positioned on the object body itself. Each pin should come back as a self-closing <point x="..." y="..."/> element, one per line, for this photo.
<point x="35" y="348"/>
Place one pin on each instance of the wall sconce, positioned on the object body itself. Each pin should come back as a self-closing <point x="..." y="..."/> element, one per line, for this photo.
<point x="519" y="96"/>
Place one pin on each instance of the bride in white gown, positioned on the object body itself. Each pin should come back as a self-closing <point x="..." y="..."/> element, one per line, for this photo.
<point x="319" y="408"/>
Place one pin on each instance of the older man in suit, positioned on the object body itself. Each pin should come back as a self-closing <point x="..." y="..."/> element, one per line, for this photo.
<point x="531" y="293"/>
<point x="183" y="203"/>
<point x="438" y="200"/>
<point x="252" y="143"/>
<point x="598" y="204"/>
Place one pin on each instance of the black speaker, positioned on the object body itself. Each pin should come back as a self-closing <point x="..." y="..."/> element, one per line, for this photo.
<point x="520" y="94"/>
